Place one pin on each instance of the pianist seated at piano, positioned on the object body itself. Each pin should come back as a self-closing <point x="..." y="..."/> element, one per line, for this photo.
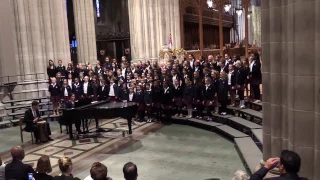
<point x="70" y="105"/>
<point x="31" y="118"/>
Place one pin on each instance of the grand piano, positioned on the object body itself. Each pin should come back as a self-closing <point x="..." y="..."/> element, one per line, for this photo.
<point x="85" y="110"/>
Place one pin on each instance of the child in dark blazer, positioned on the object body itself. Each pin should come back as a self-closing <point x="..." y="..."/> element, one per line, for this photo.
<point x="167" y="99"/>
<point x="177" y="97"/>
<point x="65" y="91"/>
<point x="139" y="99"/>
<point x="77" y="89"/>
<point x="223" y="92"/>
<point x="156" y="99"/>
<point x="148" y="101"/>
<point x="232" y="83"/>
<point x="208" y="96"/>
<point x="54" y="90"/>
<point x="188" y="96"/>
<point x="131" y="95"/>
<point x="102" y="91"/>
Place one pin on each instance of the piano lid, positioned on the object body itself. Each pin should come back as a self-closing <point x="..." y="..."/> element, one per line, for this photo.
<point x="115" y="105"/>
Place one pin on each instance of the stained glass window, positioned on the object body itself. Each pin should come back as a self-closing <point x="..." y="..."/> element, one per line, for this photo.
<point x="98" y="7"/>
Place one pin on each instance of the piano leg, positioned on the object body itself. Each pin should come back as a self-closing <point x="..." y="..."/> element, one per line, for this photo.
<point x="130" y="124"/>
<point x="70" y="131"/>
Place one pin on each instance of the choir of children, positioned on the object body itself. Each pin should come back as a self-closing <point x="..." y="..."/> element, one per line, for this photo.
<point x="161" y="91"/>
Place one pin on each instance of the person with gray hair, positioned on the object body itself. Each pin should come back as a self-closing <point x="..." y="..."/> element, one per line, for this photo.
<point x="2" y="170"/>
<point x="16" y="169"/>
<point x="240" y="175"/>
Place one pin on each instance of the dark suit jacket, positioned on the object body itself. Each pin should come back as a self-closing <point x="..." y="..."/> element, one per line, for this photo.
<point x="69" y="105"/>
<point x="225" y="69"/>
<point x="115" y="88"/>
<point x="89" y="90"/>
<point x="42" y="176"/>
<point x="17" y="170"/>
<point x="28" y="119"/>
<point x="62" y="177"/>
<point x="77" y="90"/>
<point x="208" y="94"/>
<point x="69" y="90"/>
<point x="259" y="175"/>
<point x="256" y="75"/>
<point x="103" y="94"/>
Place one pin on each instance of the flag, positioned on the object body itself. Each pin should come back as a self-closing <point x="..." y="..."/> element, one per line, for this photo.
<point x="170" y="42"/>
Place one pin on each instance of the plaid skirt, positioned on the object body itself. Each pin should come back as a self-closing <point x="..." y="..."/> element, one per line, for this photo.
<point x="157" y="105"/>
<point x="187" y="100"/>
<point x="112" y="99"/>
<point x="66" y="98"/>
<point x="141" y="107"/>
<point x="207" y="103"/>
<point x="178" y="101"/>
<point x="54" y="99"/>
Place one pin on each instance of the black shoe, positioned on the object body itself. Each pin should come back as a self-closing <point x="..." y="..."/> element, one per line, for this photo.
<point x="50" y="139"/>
<point x="38" y="141"/>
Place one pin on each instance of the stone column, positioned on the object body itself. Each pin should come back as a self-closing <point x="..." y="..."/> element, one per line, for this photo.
<point x="8" y="65"/>
<point x="291" y="83"/>
<point x="85" y="30"/>
<point x="41" y="33"/>
<point x="151" y="23"/>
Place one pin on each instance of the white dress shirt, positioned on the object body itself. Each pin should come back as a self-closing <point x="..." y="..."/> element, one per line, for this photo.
<point x="165" y="90"/>
<point x="229" y="77"/>
<point x="34" y="112"/>
<point x="130" y="96"/>
<point x="222" y="69"/>
<point x="174" y="78"/>
<point x="85" y="87"/>
<point x="207" y="86"/>
<point x="65" y="92"/>
<point x="191" y="63"/>
<point x="123" y="72"/>
<point x="111" y="92"/>
<point x="251" y="65"/>
<point x="70" y="83"/>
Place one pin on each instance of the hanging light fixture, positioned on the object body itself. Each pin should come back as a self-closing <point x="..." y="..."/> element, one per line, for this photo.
<point x="239" y="11"/>
<point x="227" y="6"/>
<point x="210" y="3"/>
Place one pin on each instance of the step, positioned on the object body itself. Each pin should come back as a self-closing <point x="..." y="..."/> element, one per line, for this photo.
<point x="251" y="112"/>
<point x="231" y="131"/>
<point x="25" y="106"/>
<point x="245" y="123"/>
<point x="22" y="100"/>
<point x="203" y="122"/>
<point x="221" y="116"/>
<point x="249" y="151"/>
<point x="258" y="134"/>
<point x="256" y="103"/>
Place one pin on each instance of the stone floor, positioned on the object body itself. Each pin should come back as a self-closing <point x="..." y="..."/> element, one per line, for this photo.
<point x="160" y="152"/>
<point x="176" y="152"/>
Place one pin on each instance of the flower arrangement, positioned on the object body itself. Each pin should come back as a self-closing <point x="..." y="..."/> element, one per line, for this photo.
<point x="173" y="52"/>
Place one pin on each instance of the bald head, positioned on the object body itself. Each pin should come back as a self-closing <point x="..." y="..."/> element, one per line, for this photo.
<point x="130" y="171"/>
<point x="17" y="153"/>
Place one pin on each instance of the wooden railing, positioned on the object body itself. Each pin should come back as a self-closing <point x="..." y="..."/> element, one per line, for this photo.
<point x="214" y="52"/>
